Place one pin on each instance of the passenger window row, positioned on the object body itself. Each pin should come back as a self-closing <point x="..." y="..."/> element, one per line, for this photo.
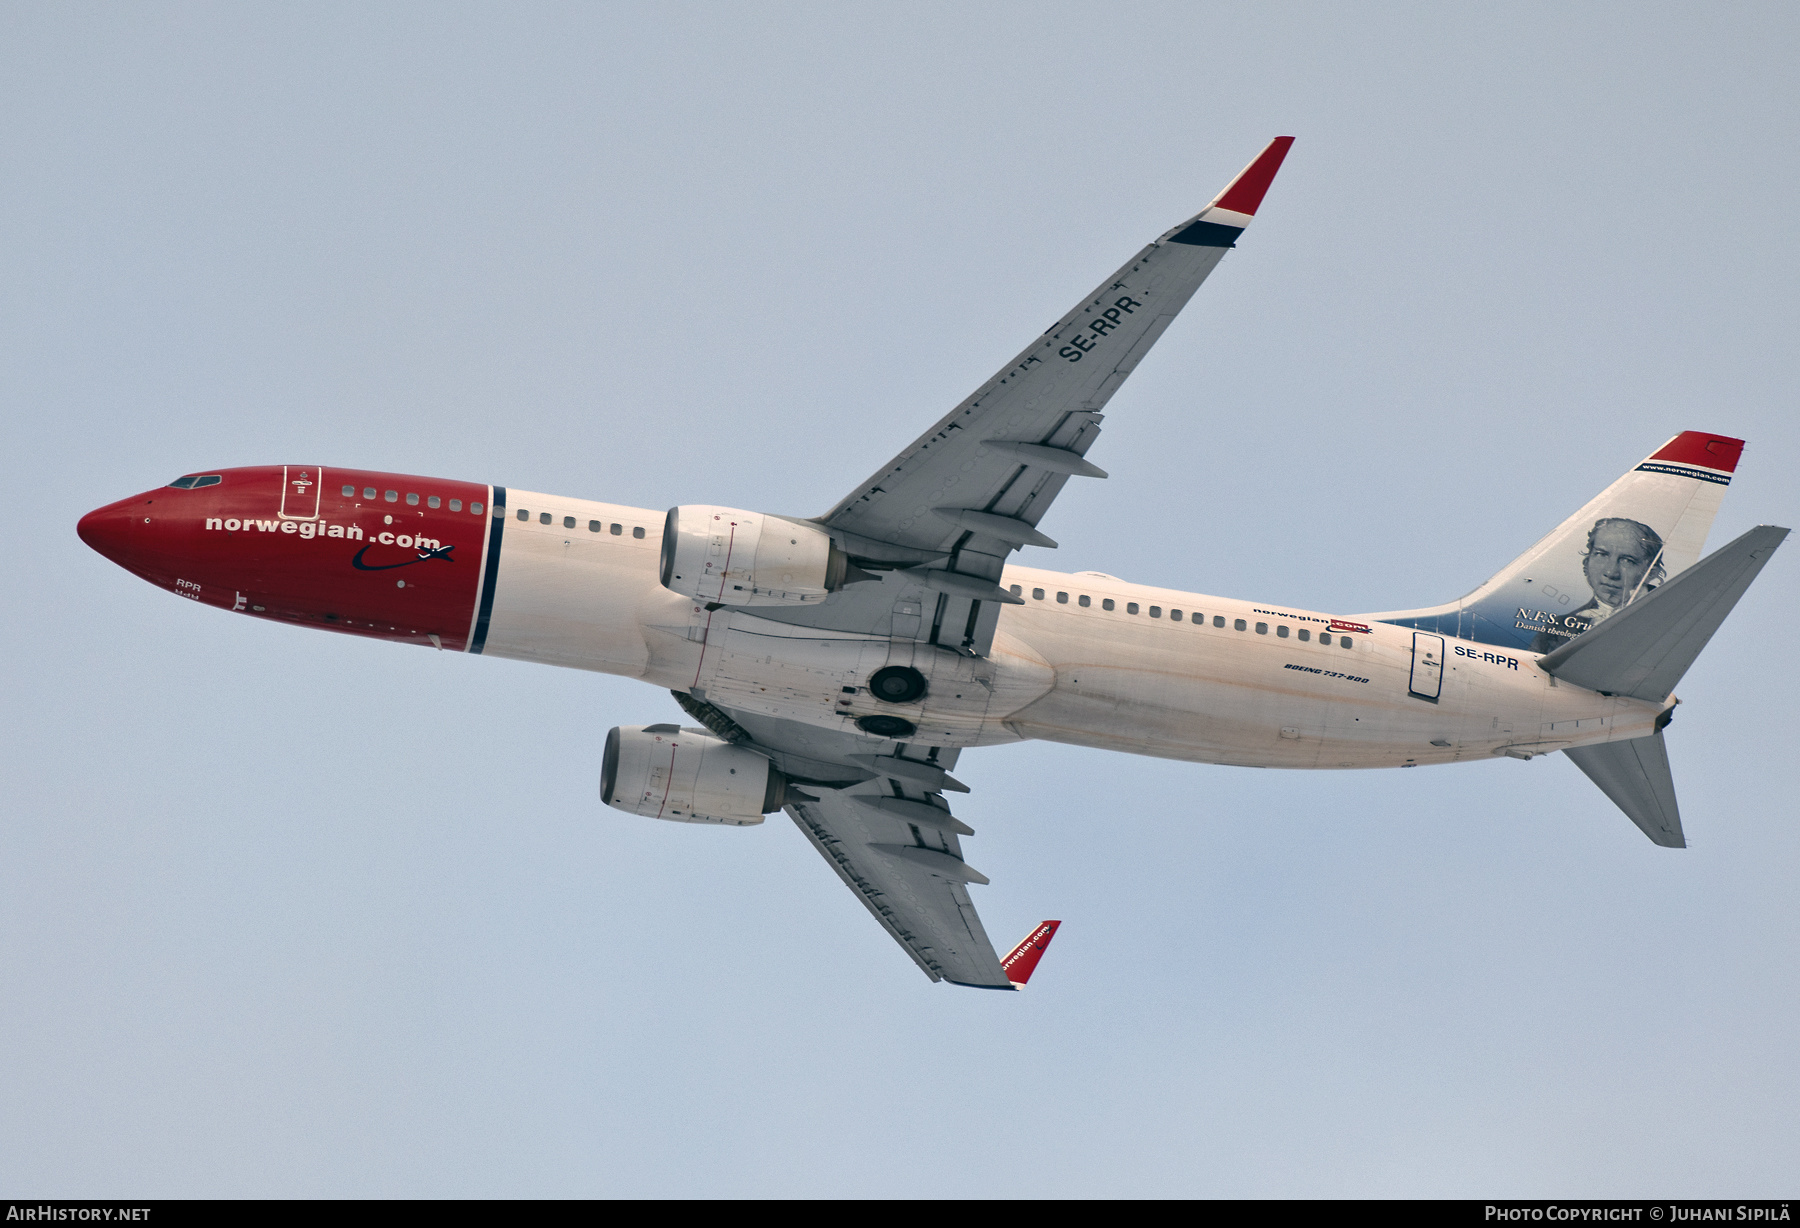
<point x="412" y="500"/>
<point x="1199" y="619"/>
<point x="593" y="526"/>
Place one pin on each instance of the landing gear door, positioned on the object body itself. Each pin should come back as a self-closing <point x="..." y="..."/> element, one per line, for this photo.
<point x="1427" y="666"/>
<point x="300" y="491"/>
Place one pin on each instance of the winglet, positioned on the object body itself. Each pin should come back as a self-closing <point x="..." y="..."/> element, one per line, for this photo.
<point x="1222" y="222"/>
<point x="1245" y="193"/>
<point x="1022" y="961"/>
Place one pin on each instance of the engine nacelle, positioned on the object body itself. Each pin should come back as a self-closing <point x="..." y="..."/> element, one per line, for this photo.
<point x="732" y="557"/>
<point x="688" y="776"/>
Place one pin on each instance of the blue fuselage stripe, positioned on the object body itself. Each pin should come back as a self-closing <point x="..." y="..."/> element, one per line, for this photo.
<point x="490" y="572"/>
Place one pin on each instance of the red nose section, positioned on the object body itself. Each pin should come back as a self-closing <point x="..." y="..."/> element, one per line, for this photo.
<point x="396" y="556"/>
<point x="120" y="531"/>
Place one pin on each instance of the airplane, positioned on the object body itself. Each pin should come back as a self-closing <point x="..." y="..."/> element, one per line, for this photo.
<point x="836" y="667"/>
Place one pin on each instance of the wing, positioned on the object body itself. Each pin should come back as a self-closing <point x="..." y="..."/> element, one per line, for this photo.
<point x="955" y="503"/>
<point x="929" y="534"/>
<point x="877" y="814"/>
<point x="901" y="857"/>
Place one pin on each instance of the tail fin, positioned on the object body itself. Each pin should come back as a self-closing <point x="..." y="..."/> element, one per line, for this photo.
<point x="1022" y="960"/>
<point x="1635" y="774"/>
<point x="1647" y="527"/>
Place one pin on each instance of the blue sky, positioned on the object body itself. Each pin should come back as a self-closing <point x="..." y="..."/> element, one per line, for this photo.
<point x="288" y="914"/>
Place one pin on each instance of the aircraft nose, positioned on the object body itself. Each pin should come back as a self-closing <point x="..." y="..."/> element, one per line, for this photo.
<point x="115" y="531"/>
<point x="104" y="529"/>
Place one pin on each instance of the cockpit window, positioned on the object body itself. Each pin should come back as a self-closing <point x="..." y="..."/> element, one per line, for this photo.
<point x="193" y="481"/>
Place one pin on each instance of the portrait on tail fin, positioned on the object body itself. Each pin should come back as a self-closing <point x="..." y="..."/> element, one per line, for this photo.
<point x="1622" y="562"/>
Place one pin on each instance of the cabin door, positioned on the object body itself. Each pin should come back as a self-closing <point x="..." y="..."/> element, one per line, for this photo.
<point x="1427" y="666"/>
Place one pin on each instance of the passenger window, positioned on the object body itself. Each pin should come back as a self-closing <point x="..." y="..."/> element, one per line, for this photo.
<point x="1281" y="633"/>
<point x="568" y="522"/>
<point x="1106" y="603"/>
<point x="617" y="529"/>
<point x="1343" y="641"/>
<point x="475" y="508"/>
<point x="1037" y="594"/>
<point x="1239" y="624"/>
<point x="392" y="496"/>
<point x="349" y="492"/>
<point x="1305" y="635"/>
<point x="1175" y="616"/>
<point x="1262" y="628"/>
<point x="1062" y="599"/>
<point x="1084" y="601"/>
<point x="1016" y="590"/>
<point x="637" y="531"/>
<point x="434" y="501"/>
<point x="1155" y="611"/>
<point x="524" y="515"/>
<point x="368" y="492"/>
<point x="1324" y="639"/>
<point x="1218" y="620"/>
<point x="456" y="505"/>
<point x="543" y="517"/>
<point x="593" y="526"/>
<point x="412" y="500"/>
<point x="1131" y="607"/>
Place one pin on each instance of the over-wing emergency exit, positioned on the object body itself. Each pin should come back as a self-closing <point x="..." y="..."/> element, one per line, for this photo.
<point x="837" y="666"/>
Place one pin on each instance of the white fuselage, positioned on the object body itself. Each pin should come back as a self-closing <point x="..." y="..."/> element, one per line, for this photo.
<point x="1225" y="681"/>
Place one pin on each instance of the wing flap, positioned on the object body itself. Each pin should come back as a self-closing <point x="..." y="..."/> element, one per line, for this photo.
<point x="909" y="875"/>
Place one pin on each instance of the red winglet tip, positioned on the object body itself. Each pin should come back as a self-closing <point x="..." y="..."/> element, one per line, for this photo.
<point x="1245" y="193"/>
<point x="1022" y="960"/>
<point x="1704" y="449"/>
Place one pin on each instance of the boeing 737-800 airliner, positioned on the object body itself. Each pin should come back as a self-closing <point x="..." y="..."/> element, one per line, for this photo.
<point x="836" y="666"/>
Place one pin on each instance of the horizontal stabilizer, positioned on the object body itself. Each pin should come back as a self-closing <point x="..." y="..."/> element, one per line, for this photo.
<point x="1022" y="960"/>
<point x="1635" y="774"/>
<point x="1644" y="649"/>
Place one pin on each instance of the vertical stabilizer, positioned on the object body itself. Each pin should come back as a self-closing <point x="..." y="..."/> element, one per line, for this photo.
<point x="1636" y="776"/>
<point x="1645" y="528"/>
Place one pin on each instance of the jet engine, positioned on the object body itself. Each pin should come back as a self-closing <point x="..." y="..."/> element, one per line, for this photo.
<point x="688" y="776"/>
<point x="732" y="557"/>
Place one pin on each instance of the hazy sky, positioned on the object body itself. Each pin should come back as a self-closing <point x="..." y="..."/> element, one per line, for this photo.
<point x="287" y="913"/>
